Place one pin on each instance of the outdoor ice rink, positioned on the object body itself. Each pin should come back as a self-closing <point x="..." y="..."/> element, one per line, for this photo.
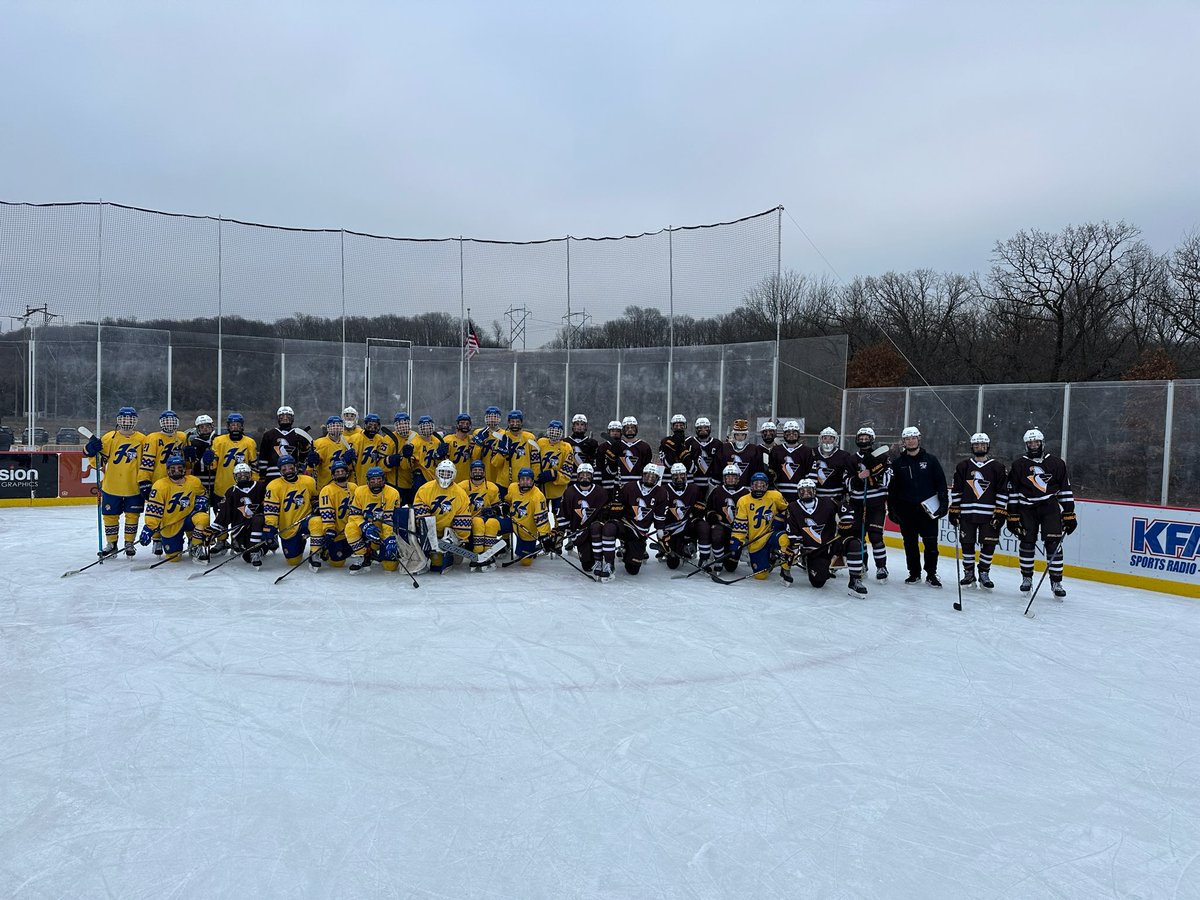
<point x="531" y="734"/>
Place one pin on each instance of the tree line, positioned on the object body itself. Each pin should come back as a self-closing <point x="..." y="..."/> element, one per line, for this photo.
<point x="1087" y="303"/>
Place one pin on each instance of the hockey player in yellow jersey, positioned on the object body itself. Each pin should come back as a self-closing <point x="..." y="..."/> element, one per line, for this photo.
<point x="443" y="512"/>
<point x="328" y="531"/>
<point x="758" y="525"/>
<point x="178" y="507"/>
<point x="328" y="448"/>
<point x="228" y="450"/>
<point x="528" y="517"/>
<point x="485" y="507"/>
<point x="399" y="460"/>
<point x="158" y="447"/>
<point x="117" y="457"/>
<point x="557" y="464"/>
<point x="352" y="431"/>
<point x="370" y="524"/>
<point x="461" y="447"/>
<point x="519" y="449"/>
<point x="487" y="439"/>
<point x="290" y="502"/>
<point x="373" y="448"/>
<point x="428" y="450"/>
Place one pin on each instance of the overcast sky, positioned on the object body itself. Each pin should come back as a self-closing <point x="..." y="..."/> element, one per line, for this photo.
<point x="897" y="135"/>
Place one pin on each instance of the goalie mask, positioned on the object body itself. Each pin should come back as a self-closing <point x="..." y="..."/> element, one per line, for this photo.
<point x="350" y="417"/>
<point x="739" y="435"/>
<point x="445" y="473"/>
<point x="168" y="422"/>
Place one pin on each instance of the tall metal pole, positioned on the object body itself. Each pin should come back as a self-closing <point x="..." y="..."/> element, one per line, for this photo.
<point x="778" y="309"/>
<point x="671" y="324"/>
<point x="220" y="324"/>
<point x="570" y="327"/>
<point x="1164" y="493"/>
<point x="99" y="308"/>
<point x="462" y="329"/>
<point x="342" y="248"/>
<point x="467" y="396"/>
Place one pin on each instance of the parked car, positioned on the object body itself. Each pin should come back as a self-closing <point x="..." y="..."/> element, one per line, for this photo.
<point x="40" y="436"/>
<point x="67" y="436"/>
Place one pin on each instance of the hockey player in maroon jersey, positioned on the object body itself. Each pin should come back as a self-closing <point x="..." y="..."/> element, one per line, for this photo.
<point x="739" y="451"/>
<point x="581" y="513"/>
<point x="766" y="443"/>
<point x="702" y="456"/>
<point x="629" y="456"/>
<point x="790" y="460"/>
<point x="1040" y="500"/>
<point x="978" y="504"/>
<point x="817" y="529"/>
<point x="241" y="512"/>
<point x="606" y="457"/>
<point x="282" y="440"/>
<point x="674" y="447"/>
<point x="583" y="445"/>
<point x="831" y="466"/>
<point x="869" y="480"/>
<point x="720" y="511"/>
<point x="642" y="506"/>
<point x="685" y="513"/>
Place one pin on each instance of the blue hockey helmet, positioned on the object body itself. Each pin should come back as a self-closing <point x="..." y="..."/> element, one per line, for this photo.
<point x="286" y="459"/>
<point x="127" y="411"/>
<point x="555" y="423"/>
<point x="516" y="414"/>
<point x="374" y="472"/>
<point x="492" y="411"/>
<point x="174" y="461"/>
<point x="334" y="420"/>
<point x="168" y="414"/>
<point x="401" y="417"/>
<point x="425" y="420"/>
<point x="235" y="417"/>
<point x="463" y="417"/>
<point x="759" y="476"/>
<point x="338" y="463"/>
<point x="477" y="464"/>
<point x="525" y="473"/>
<point x="371" y="417"/>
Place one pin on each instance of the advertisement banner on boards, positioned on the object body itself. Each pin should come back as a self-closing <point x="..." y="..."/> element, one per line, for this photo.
<point x="25" y="476"/>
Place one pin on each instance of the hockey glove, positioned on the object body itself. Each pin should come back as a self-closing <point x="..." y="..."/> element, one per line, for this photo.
<point x="1070" y="523"/>
<point x="392" y="460"/>
<point x="147" y="535"/>
<point x="208" y="458"/>
<point x="505" y="446"/>
<point x="999" y="515"/>
<point x="547" y="476"/>
<point x="443" y="450"/>
<point x="480" y="439"/>
<point x="349" y="456"/>
<point x="189" y="453"/>
<point x="313" y="459"/>
<point x="144" y="489"/>
<point x="1015" y="528"/>
<point x="549" y="544"/>
<point x="390" y="549"/>
<point x="407" y="451"/>
<point x="370" y="533"/>
<point x="269" y="533"/>
<point x="93" y="446"/>
<point x="953" y="517"/>
<point x="201" y="503"/>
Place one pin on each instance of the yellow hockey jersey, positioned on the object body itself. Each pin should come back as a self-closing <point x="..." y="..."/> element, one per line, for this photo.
<point x="755" y="518"/>
<point x="481" y="496"/>
<point x="229" y="453"/>
<point x="449" y="506"/>
<point x="327" y="452"/>
<point x="557" y="457"/>
<point x="170" y="504"/>
<point x="529" y="512"/>
<point x="462" y="450"/>
<point x="121" y="460"/>
<point x="333" y="508"/>
<point x="372" y="451"/>
<point x="288" y="503"/>
<point x="157" y="448"/>
<point x="365" y="503"/>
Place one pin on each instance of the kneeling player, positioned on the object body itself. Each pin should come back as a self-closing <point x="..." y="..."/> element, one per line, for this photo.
<point x="643" y="504"/>
<point x="240" y="514"/>
<point x="333" y="512"/>
<point x="290" y="502"/>
<point x="528" y="518"/>
<point x="582" y="513"/>
<point x="369" y="523"/>
<point x="813" y="526"/>
<point x="177" y="506"/>
<point x="714" y="532"/>
<point x="443" y="513"/>
<point x="758" y="526"/>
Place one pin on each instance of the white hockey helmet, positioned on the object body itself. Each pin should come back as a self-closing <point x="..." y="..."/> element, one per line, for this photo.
<point x="242" y="469"/>
<point x="678" y="469"/>
<point x="577" y="418"/>
<point x="733" y="471"/>
<point x="445" y="473"/>
<point x="806" y="488"/>
<point x="678" y="419"/>
<point x="628" y="420"/>
<point x="981" y="437"/>
<point x="912" y="431"/>
<point x="1034" y="434"/>
<point x="350" y="415"/>
<point x="285" y="411"/>
<point x="614" y="425"/>
<point x="652" y="474"/>
<point x="703" y="422"/>
<point x="585" y="469"/>
<point x="203" y="419"/>
<point x="768" y="426"/>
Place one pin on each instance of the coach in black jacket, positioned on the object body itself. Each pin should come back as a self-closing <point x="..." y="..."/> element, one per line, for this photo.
<point x="917" y="476"/>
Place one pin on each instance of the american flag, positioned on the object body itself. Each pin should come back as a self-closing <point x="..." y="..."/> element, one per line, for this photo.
<point x="472" y="345"/>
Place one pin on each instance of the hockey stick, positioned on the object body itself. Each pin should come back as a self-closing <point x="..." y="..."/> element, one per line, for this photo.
<point x="104" y="556"/>
<point x="697" y="569"/>
<point x="957" y="573"/>
<point x="578" y="569"/>
<point x="223" y="562"/>
<point x="517" y="559"/>
<point x="1046" y="571"/>
<point x="298" y="565"/>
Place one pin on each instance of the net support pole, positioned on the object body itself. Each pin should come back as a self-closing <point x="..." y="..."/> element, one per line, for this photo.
<point x="342" y="263"/>
<point x="99" y="308"/>
<point x="617" y="417"/>
<point x="170" y="382"/>
<point x="282" y="378"/>
<point x="670" y="324"/>
<point x="566" y="416"/>
<point x="1164" y="493"/>
<point x="721" y="396"/>
<point x="220" y="325"/>
<point x="462" y="328"/>
<point x="1066" y="420"/>
<point x="778" y="312"/>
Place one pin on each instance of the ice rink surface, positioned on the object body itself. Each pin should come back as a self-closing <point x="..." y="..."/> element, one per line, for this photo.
<point x="531" y="734"/>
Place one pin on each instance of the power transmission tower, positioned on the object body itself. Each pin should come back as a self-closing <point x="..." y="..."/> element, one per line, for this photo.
<point x="31" y="311"/>
<point x="516" y="316"/>
<point x="576" y="332"/>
